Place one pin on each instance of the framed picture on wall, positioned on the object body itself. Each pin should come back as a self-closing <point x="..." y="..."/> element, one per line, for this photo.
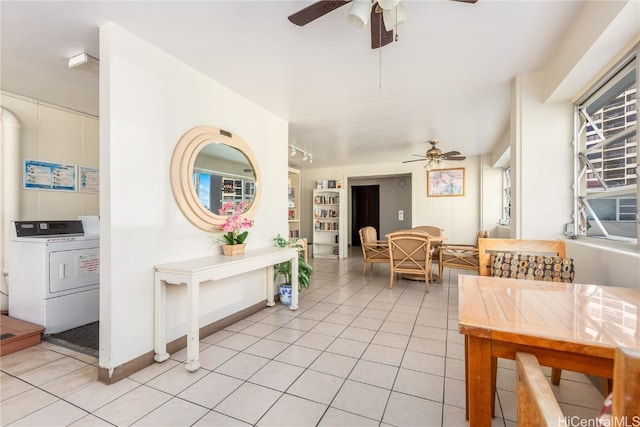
<point x="445" y="182"/>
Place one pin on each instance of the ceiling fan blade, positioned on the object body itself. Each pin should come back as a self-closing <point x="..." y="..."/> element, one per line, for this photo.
<point x="379" y="35"/>
<point x="466" y="1"/>
<point x="451" y="153"/>
<point x="416" y="160"/>
<point x="315" y="11"/>
<point x="456" y="158"/>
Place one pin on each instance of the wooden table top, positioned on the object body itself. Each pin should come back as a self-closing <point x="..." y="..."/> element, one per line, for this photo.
<point x="551" y="313"/>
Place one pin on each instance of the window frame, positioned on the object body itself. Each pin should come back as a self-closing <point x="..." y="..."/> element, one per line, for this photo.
<point x="587" y="157"/>
<point x="506" y="196"/>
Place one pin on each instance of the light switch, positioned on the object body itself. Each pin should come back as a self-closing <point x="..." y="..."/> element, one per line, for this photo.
<point x="401" y="215"/>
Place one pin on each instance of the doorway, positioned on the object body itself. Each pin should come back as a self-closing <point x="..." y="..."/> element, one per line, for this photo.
<point x="365" y="210"/>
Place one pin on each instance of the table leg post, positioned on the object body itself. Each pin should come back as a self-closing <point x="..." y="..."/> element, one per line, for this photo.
<point x="294" y="283"/>
<point x="466" y="377"/>
<point x="160" y="319"/>
<point x="271" y="287"/>
<point x="479" y="391"/>
<point x="494" y="376"/>
<point x="193" y="326"/>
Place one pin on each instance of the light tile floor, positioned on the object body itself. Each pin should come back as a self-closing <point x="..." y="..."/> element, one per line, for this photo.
<point x="356" y="353"/>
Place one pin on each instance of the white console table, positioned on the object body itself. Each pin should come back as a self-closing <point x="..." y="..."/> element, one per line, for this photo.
<point x="193" y="272"/>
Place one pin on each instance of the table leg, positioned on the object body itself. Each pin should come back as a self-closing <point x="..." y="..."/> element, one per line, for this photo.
<point x="479" y="381"/>
<point x="494" y="376"/>
<point x="160" y="340"/>
<point x="294" y="284"/>
<point x="193" y="325"/>
<point x="466" y="377"/>
<point x="271" y="287"/>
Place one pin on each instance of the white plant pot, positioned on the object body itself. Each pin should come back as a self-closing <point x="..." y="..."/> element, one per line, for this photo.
<point x="285" y="293"/>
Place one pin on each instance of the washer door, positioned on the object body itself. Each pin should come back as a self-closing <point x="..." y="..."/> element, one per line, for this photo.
<point x="72" y="270"/>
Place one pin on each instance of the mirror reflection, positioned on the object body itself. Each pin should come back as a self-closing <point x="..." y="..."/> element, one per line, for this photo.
<point x="222" y="173"/>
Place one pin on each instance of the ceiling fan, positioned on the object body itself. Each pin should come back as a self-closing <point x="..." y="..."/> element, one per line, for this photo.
<point x="435" y="157"/>
<point x="383" y="14"/>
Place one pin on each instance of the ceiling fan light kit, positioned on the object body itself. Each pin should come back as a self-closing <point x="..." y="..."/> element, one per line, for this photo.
<point x="392" y="17"/>
<point x="388" y="4"/>
<point x="435" y="157"/>
<point x="382" y="14"/>
<point x="435" y="163"/>
<point x="359" y="12"/>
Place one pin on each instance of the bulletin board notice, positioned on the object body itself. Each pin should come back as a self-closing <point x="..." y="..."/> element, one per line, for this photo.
<point x="89" y="180"/>
<point x="39" y="175"/>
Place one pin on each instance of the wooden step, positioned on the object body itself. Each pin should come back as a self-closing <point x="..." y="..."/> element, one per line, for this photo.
<point x="16" y="335"/>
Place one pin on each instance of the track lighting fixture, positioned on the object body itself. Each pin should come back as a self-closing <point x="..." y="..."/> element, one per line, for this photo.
<point x="306" y="156"/>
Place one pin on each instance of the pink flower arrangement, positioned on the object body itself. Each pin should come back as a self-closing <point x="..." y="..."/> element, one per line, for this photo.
<point x="235" y="222"/>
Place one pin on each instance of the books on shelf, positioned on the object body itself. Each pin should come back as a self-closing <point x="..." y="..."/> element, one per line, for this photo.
<point x="323" y="184"/>
<point x="325" y="213"/>
<point x="325" y="226"/>
<point x="322" y="199"/>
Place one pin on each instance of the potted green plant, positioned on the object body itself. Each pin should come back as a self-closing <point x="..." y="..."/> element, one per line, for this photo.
<point x="284" y="269"/>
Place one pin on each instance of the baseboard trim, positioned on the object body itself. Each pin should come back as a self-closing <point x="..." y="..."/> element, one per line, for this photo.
<point x="138" y="363"/>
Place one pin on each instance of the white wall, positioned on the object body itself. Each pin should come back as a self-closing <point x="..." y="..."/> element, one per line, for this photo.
<point x="603" y="265"/>
<point x="491" y="199"/>
<point x="541" y="161"/>
<point x="458" y="216"/>
<point x="54" y="134"/>
<point x="148" y="100"/>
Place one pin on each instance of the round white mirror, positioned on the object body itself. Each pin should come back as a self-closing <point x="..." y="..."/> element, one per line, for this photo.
<point x="210" y="167"/>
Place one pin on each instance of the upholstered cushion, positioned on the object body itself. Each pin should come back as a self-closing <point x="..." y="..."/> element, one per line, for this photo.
<point x="516" y="265"/>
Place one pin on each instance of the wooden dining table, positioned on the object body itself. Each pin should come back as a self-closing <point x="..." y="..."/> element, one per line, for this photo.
<point x="565" y="325"/>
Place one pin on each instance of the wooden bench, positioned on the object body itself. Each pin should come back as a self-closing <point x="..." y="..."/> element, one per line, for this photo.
<point x="486" y="247"/>
<point x="537" y="405"/>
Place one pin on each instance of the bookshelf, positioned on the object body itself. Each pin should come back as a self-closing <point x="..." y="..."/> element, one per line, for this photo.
<point x="328" y="224"/>
<point x="293" y="200"/>
<point x="237" y="190"/>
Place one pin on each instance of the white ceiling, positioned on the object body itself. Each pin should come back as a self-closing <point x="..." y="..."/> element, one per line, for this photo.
<point x="448" y="77"/>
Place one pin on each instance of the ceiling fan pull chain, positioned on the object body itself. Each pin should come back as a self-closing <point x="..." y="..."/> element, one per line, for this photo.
<point x="397" y="21"/>
<point x="380" y="49"/>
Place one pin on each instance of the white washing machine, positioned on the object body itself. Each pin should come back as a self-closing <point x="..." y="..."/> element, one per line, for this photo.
<point x="54" y="274"/>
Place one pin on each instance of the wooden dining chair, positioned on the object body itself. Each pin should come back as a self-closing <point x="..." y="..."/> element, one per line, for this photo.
<point x="461" y="257"/>
<point x="435" y="245"/>
<point x="373" y="250"/>
<point x="626" y="384"/>
<point x="538" y="406"/>
<point x="410" y="253"/>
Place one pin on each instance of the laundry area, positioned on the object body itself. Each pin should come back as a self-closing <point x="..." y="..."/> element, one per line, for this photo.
<point x="54" y="281"/>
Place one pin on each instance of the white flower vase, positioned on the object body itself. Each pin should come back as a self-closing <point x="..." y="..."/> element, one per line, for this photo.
<point x="285" y="293"/>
